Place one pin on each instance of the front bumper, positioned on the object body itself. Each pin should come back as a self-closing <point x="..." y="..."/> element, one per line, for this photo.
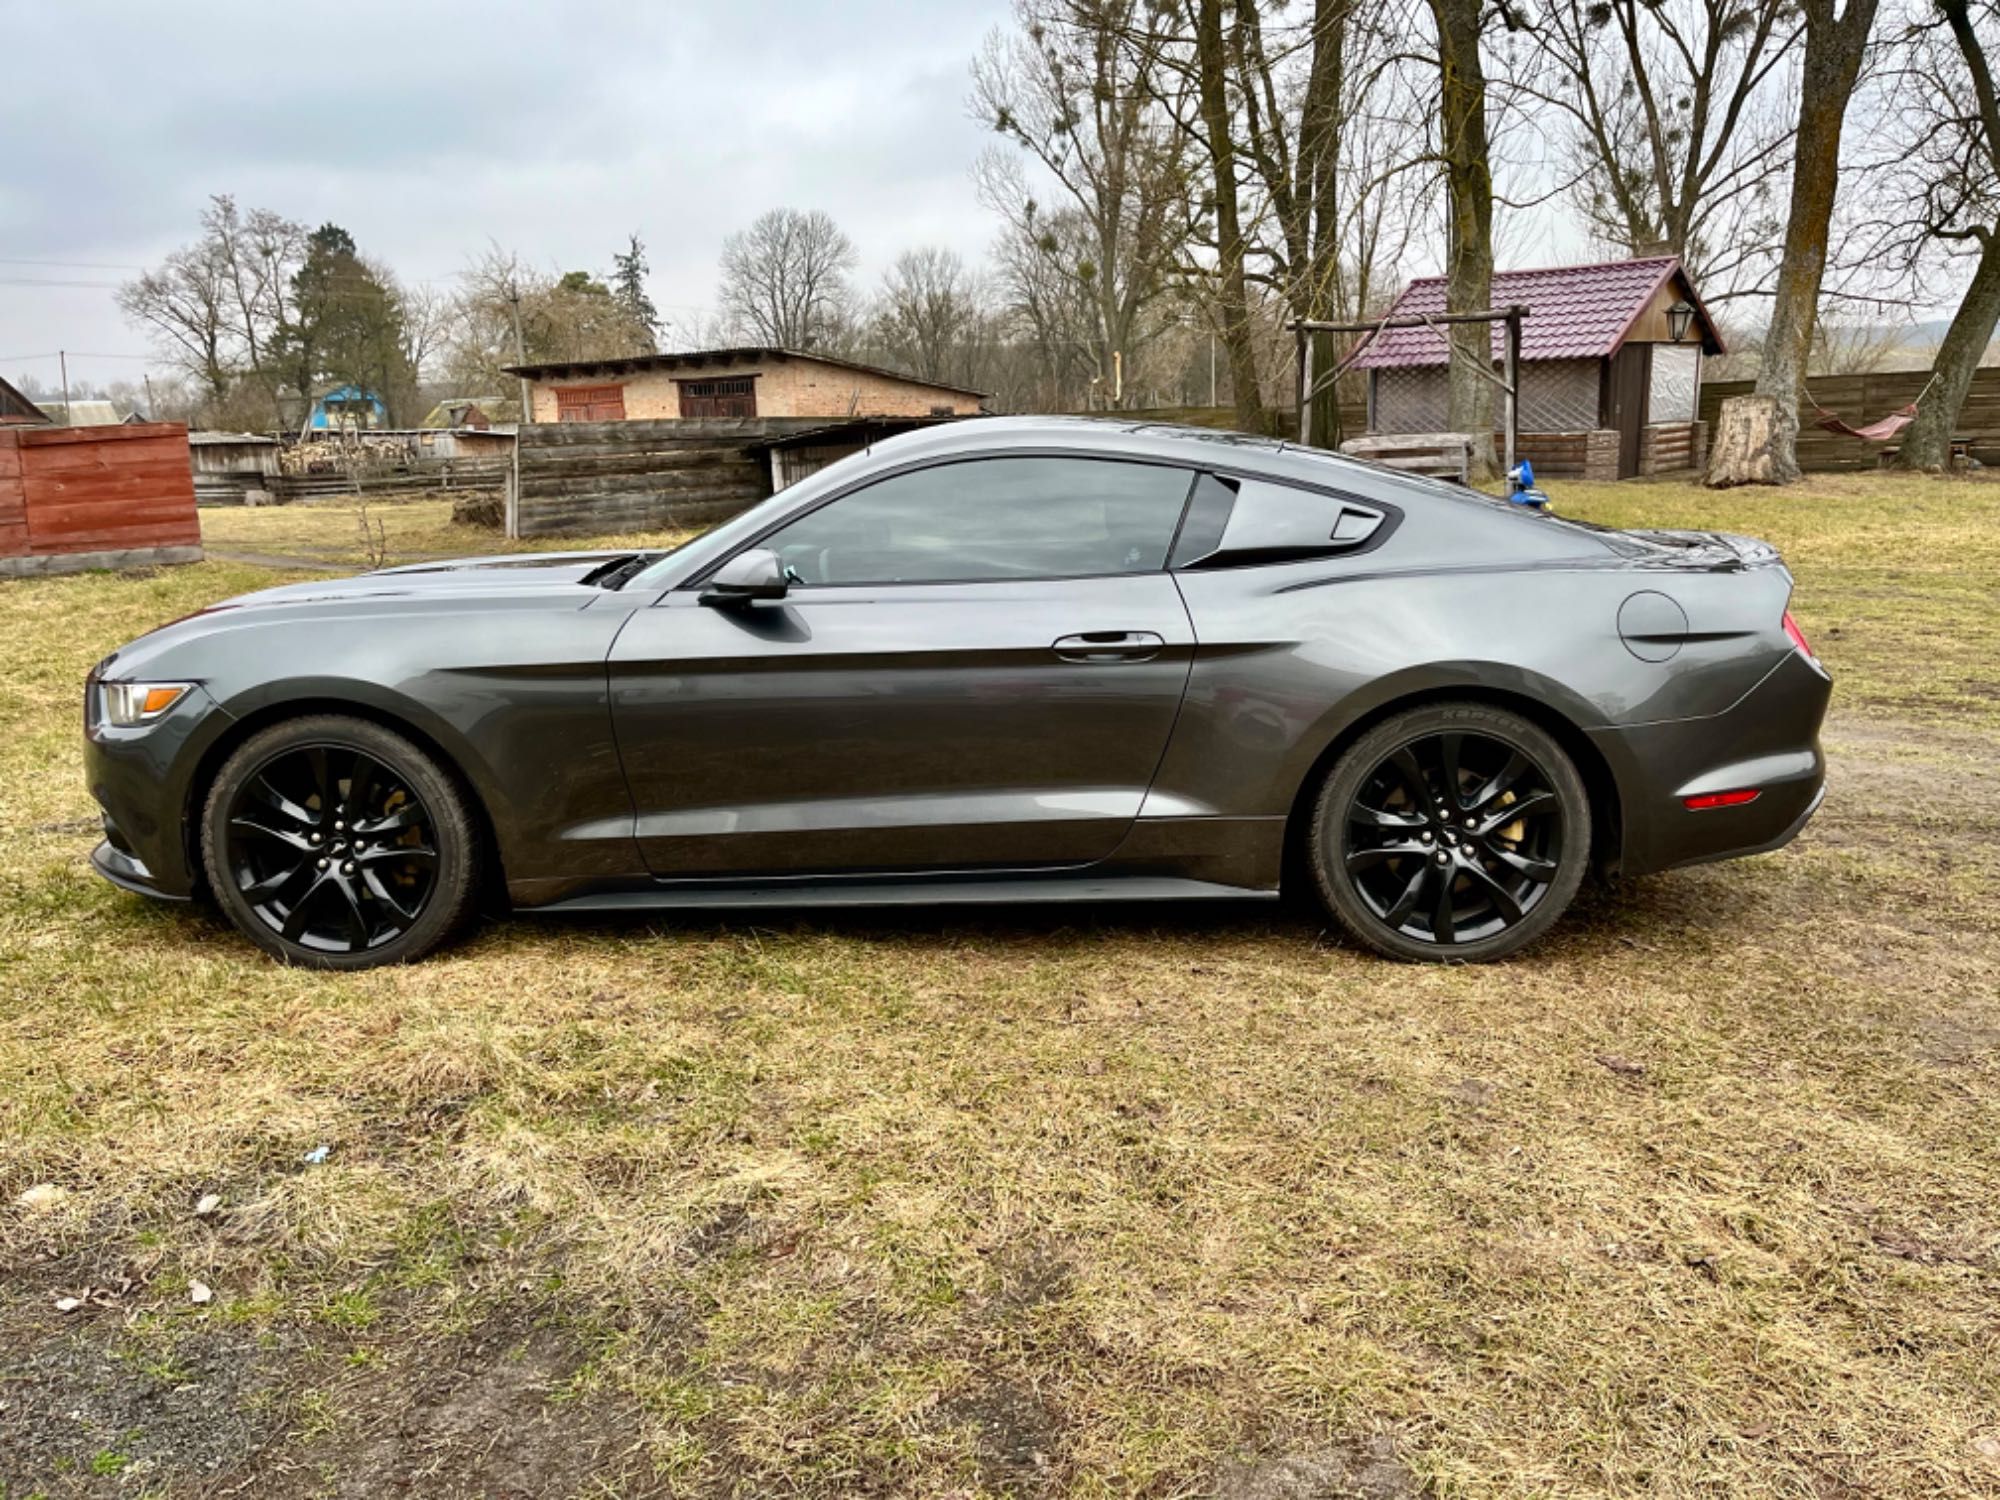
<point x="1768" y="740"/>
<point x="141" y="778"/>
<point x="128" y="872"/>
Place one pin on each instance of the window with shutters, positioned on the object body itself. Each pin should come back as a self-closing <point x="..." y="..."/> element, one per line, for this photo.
<point x="726" y="396"/>
<point x="590" y="403"/>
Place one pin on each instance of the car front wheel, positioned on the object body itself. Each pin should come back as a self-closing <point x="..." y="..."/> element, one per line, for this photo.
<point x="1456" y="832"/>
<point x="335" y="843"/>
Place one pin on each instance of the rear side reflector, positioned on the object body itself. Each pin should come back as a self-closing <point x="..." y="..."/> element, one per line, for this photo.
<point x="1798" y="636"/>
<point x="1720" y="799"/>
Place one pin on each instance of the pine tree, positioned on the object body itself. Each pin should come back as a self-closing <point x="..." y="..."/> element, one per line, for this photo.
<point x="628" y="286"/>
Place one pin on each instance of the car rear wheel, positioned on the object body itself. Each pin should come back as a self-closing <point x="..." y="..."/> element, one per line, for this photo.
<point x="335" y="843"/>
<point x="1456" y="832"/>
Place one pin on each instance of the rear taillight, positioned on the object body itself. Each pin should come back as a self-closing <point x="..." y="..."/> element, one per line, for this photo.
<point x="1798" y="636"/>
<point x="1720" y="799"/>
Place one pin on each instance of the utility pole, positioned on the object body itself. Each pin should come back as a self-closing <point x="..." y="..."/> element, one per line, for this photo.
<point x="152" y="409"/>
<point x="62" y="358"/>
<point x="512" y="510"/>
<point x="520" y="352"/>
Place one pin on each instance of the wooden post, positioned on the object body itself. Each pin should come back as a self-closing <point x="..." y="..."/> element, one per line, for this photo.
<point x="1305" y="389"/>
<point x="1513" y="392"/>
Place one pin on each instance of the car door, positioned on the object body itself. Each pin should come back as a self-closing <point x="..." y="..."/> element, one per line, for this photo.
<point x="977" y="666"/>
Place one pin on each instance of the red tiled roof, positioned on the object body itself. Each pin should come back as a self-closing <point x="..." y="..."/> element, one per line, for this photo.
<point x="1574" y="312"/>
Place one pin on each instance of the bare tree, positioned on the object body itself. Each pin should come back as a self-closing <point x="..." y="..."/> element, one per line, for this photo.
<point x="1468" y="176"/>
<point x="1055" y="310"/>
<point x="784" y="279"/>
<point x="1836" y="41"/>
<point x="1336" y="143"/>
<point x="1218" y="132"/>
<point x="1076" y="86"/>
<point x="216" y="306"/>
<point x="1679" y="124"/>
<point x="1948" y="164"/>
<point x="184" y="305"/>
<point x="931" y="316"/>
<point x="564" y="317"/>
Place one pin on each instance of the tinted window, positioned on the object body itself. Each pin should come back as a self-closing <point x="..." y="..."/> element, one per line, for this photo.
<point x="989" y="519"/>
<point x="1258" y="521"/>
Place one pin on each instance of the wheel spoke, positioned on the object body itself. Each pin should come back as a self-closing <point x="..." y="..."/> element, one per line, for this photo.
<point x="1534" y="805"/>
<point x="1406" y="903"/>
<point x="1517" y="766"/>
<point x="1448" y="748"/>
<point x="316" y="767"/>
<point x="395" y="853"/>
<point x="284" y="836"/>
<point x="295" y="919"/>
<point x="273" y="887"/>
<point x="1539" y="870"/>
<point x="362" y="773"/>
<point x="1502" y="898"/>
<point x="1368" y="859"/>
<point x="1382" y="817"/>
<point x="1444" y="927"/>
<point x="404" y="915"/>
<point x="354" y="918"/>
<point x="277" y="802"/>
<point x="401" y="820"/>
<point x="1407" y="766"/>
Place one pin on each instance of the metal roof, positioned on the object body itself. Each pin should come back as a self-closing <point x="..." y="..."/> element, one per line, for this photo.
<point x="1574" y="312"/>
<point x="208" y="438"/>
<point x="696" y="358"/>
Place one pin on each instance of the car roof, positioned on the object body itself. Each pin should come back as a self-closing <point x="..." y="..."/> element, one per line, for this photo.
<point x="1201" y="447"/>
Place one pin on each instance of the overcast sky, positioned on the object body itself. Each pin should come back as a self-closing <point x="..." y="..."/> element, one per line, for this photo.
<point x="429" y="129"/>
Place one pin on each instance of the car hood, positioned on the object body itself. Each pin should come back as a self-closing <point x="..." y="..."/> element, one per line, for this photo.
<point x="506" y="573"/>
<point x="542" y="580"/>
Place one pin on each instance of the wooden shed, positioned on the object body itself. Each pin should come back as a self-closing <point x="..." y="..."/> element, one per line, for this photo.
<point x="1611" y="358"/>
<point x="233" y="468"/>
<point x="73" y="498"/>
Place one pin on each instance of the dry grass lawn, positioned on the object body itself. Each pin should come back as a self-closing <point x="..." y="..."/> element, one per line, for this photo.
<point x="1697" y="1200"/>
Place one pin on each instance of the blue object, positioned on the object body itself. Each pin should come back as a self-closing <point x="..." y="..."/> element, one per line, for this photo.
<point x="1521" y="486"/>
<point x="347" y="406"/>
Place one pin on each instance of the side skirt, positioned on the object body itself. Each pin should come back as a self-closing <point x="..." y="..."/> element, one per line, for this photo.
<point x="993" y="891"/>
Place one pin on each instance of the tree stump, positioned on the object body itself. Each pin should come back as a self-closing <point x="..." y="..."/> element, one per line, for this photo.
<point x="1743" y="451"/>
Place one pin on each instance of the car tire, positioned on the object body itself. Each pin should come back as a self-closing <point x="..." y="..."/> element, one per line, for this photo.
<point x="399" y="880"/>
<point x="1464" y="798"/>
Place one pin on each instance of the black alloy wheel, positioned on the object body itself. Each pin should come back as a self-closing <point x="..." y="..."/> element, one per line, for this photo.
<point x="1453" y="832"/>
<point x="336" y="843"/>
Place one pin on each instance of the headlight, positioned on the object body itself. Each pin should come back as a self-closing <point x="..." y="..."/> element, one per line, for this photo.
<point x="127" y="704"/>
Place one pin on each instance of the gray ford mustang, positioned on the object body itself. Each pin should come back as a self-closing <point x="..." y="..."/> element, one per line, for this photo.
<point x="1011" y="659"/>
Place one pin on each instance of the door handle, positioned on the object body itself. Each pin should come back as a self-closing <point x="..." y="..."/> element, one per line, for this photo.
<point x="1097" y="646"/>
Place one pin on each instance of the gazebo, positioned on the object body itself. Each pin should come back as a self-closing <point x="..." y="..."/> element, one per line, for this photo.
<point x="1610" y="367"/>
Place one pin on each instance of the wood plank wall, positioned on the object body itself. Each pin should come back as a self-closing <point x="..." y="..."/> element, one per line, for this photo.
<point x="95" y="489"/>
<point x="580" y="478"/>
<point x="1861" y="399"/>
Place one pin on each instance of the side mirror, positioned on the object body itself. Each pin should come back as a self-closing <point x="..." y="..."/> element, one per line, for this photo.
<point x="746" y="578"/>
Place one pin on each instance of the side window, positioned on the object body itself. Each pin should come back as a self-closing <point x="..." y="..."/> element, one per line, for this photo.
<point x="1236" y="522"/>
<point x="992" y="518"/>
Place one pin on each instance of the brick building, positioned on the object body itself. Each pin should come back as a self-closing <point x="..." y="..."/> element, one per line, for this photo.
<point x="1611" y="361"/>
<point x="711" y="384"/>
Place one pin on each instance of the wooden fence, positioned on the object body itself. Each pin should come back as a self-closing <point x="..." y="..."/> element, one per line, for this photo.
<point x="95" y="497"/>
<point x="1861" y="399"/>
